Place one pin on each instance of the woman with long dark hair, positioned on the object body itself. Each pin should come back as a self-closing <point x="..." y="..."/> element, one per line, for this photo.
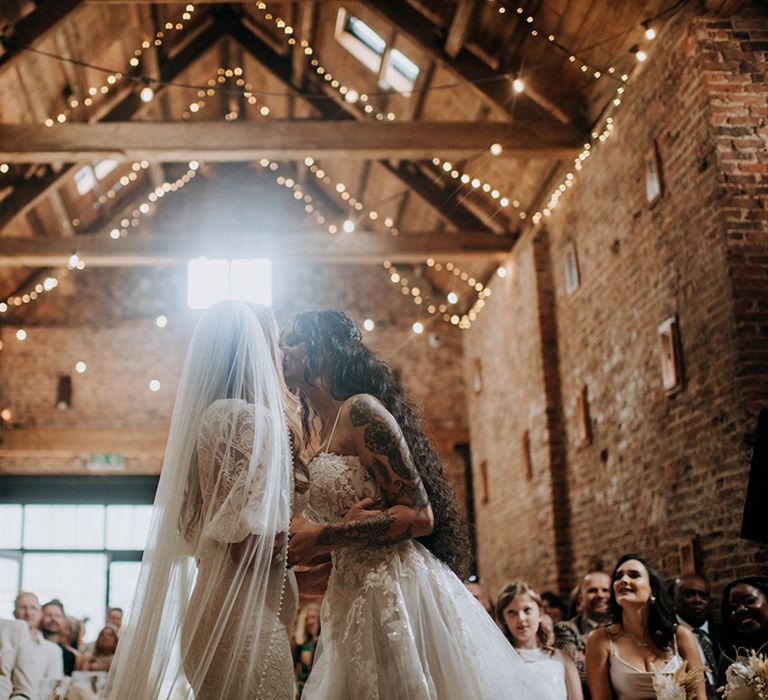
<point x="643" y="640"/>
<point x="396" y="621"/>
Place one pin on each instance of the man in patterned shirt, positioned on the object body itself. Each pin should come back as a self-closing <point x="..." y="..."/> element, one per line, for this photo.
<point x="571" y="635"/>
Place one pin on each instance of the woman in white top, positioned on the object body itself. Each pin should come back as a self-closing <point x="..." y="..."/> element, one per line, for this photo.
<point x="623" y="658"/>
<point x="528" y="629"/>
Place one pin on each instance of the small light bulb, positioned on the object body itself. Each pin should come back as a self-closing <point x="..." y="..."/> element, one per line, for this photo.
<point x="352" y="96"/>
<point x="161" y="321"/>
<point x="452" y="297"/>
<point x="368" y="324"/>
<point x="650" y="33"/>
<point x="496" y="150"/>
<point x="641" y="55"/>
<point x="418" y="327"/>
<point x="74" y="260"/>
<point x="147" y="94"/>
<point x="80" y="367"/>
<point x="518" y="85"/>
<point x="501" y="271"/>
<point x="154" y="385"/>
<point x="348" y="226"/>
<point x="21" y="334"/>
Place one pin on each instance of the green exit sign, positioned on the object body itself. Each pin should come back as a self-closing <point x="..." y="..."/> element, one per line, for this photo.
<point x="105" y="460"/>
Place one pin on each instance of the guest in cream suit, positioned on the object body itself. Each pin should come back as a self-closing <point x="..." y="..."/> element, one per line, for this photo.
<point x="17" y="664"/>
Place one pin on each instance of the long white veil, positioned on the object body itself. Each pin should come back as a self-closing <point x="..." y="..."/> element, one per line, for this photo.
<point x="206" y="612"/>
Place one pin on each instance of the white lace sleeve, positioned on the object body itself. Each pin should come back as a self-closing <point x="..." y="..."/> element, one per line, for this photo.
<point x="232" y="498"/>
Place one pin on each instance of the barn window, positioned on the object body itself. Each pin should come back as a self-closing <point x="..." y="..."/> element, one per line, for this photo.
<point x="209" y="281"/>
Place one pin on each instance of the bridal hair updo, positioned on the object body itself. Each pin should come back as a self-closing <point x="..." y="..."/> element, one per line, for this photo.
<point x="335" y="348"/>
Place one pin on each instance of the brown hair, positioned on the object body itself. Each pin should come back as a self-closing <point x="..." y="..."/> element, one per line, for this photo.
<point x="506" y="596"/>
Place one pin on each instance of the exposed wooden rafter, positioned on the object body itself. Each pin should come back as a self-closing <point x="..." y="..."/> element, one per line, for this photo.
<point x="493" y="88"/>
<point x="364" y="247"/>
<point x="27" y="193"/>
<point x="285" y="139"/>
<point x="445" y="204"/>
<point x="32" y="29"/>
<point x="461" y="26"/>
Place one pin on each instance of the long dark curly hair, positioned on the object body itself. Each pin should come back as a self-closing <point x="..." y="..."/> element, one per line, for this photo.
<point x="334" y="345"/>
<point x="661" y="619"/>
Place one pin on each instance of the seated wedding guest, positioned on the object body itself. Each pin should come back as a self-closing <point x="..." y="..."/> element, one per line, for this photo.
<point x="67" y="634"/>
<point x="554" y="606"/>
<point x="520" y="614"/>
<point x="17" y="665"/>
<point x="49" y="665"/>
<point x="690" y="596"/>
<point x="745" y="618"/>
<point x="115" y="618"/>
<point x="594" y="603"/>
<point x="472" y="584"/>
<point x="643" y="639"/>
<point x="53" y="628"/>
<point x="306" y="633"/>
<point x="103" y="651"/>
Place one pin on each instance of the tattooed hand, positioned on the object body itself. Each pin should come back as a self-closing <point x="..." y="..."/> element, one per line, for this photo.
<point x="382" y="449"/>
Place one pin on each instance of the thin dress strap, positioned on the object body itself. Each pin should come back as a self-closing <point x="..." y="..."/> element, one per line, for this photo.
<point x="327" y="443"/>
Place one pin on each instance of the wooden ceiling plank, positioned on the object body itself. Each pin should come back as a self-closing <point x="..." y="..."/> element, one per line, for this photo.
<point x="494" y="88"/>
<point x="461" y="26"/>
<point x="34" y="28"/>
<point x="363" y="247"/>
<point x="332" y="106"/>
<point x="30" y="191"/>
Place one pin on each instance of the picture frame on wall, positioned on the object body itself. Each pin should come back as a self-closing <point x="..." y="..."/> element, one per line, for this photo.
<point x="572" y="279"/>
<point x="670" y="354"/>
<point x="654" y="182"/>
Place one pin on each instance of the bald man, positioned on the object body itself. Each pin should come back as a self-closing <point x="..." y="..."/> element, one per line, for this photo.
<point x="49" y="665"/>
<point x="571" y="635"/>
<point x="690" y="595"/>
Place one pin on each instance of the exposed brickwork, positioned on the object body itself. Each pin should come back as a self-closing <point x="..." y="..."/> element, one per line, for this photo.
<point x="660" y="468"/>
<point x="106" y="318"/>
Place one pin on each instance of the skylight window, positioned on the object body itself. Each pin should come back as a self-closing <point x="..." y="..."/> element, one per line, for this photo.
<point x="85" y="180"/>
<point x="104" y="168"/>
<point x="400" y="72"/>
<point x="360" y="40"/>
<point x="393" y="68"/>
<point x="211" y="280"/>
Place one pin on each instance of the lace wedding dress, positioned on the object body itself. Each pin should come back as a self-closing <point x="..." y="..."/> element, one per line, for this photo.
<point x="267" y="670"/>
<point x="396" y="623"/>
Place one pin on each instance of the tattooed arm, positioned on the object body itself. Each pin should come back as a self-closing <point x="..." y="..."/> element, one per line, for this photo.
<point x="382" y="449"/>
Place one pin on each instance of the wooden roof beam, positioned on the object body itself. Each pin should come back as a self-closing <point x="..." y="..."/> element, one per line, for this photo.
<point x="32" y="29"/>
<point x="29" y="192"/>
<point x="461" y="26"/>
<point x="163" y="248"/>
<point x="493" y="88"/>
<point x="331" y="105"/>
<point x="287" y="139"/>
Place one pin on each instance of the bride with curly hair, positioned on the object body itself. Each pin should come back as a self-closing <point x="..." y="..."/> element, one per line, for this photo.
<point x="396" y="621"/>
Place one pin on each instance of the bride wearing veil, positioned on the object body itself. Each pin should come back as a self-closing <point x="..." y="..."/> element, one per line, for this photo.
<point x="215" y="600"/>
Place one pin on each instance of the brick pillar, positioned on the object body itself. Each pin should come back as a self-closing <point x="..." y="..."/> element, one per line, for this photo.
<point x="555" y="421"/>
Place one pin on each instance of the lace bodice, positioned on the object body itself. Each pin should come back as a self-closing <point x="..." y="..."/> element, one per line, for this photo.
<point x="232" y="489"/>
<point x="336" y="483"/>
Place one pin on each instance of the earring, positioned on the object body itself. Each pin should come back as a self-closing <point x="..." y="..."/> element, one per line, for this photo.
<point x="653" y="600"/>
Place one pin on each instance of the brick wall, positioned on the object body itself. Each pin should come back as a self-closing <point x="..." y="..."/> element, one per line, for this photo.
<point x="660" y="468"/>
<point x="106" y="317"/>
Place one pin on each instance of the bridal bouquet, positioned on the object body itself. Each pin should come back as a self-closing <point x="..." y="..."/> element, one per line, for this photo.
<point x="747" y="678"/>
<point x="680" y="685"/>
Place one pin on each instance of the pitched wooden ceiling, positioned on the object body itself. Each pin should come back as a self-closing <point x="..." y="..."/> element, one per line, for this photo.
<point x="257" y="92"/>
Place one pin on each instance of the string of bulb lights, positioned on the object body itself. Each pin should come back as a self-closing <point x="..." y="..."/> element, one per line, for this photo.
<point x="353" y="97"/>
